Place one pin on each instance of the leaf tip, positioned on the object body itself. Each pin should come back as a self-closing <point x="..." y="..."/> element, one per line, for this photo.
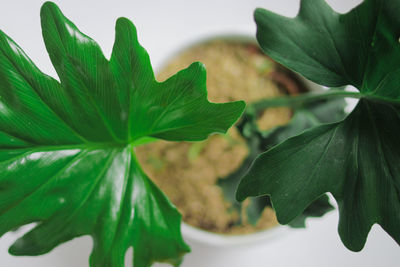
<point x="48" y="6"/>
<point x="353" y="244"/>
<point x="198" y="72"/>
<point x="240" y="194"/>
<point x="123" y="22"/>
<point x="50" y="12"/>
<point x="198" y="65"/>
<point x="258" y="12"/>
<point x="15" y="249"/>
<point x="241" y="106"/>
<point x="353" y="236"/>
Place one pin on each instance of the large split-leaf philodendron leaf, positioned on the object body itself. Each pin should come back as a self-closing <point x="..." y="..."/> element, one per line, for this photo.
<point x="67" y="159"/>
<point x="356" y="159"/>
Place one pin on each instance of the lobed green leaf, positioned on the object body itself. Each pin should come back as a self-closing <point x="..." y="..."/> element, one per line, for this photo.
<point x="305" y="116"/>
<point x="355" y="159"/>
<point x="67" y="158"/>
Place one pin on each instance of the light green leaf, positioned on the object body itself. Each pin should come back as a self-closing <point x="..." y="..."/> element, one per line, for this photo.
<point x="81" y="190"/>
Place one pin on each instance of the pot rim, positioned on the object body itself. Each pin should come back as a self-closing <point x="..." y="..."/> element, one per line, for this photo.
<point x="230" y="36"/>
<point x="200" y="236"/>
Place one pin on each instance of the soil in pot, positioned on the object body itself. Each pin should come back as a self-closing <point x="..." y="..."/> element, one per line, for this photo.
<point x="188" y="172"/>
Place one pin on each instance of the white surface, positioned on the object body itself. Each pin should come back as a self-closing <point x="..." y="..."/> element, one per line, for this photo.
<point x="216" y="241"/>
<point x="163" y="27"/>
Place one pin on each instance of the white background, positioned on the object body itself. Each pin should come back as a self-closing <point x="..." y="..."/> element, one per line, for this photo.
<point x="164" y="27"/>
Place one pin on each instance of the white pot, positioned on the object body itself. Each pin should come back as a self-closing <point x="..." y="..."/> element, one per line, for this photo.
<point x="209" y="249"/>
<point x="218" y="250"/>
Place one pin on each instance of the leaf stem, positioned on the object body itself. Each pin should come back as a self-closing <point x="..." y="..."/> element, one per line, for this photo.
<point x="302" y="98"/>
<point x="144" y="140"/>
<point x="315" y="96"/>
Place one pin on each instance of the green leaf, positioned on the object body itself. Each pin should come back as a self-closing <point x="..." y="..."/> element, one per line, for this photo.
<point x="332" y="49"/>
<point x="356" y="159"/>
<point x="98" y="191"/>
<point x="142" y="106"/>
<point x="318" y="208"/>
<point x="338" y="158"/>
<point x="305" y="116"/>
<point x="67" y="157"/>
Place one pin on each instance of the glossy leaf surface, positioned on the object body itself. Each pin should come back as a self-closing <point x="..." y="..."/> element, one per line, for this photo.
<point x="356" y="159"/>
<point x="67" y="155"/>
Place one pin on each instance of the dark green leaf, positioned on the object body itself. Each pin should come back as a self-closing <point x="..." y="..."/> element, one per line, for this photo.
<point x="317" y="208"/>
<point x="305" y="117"/>
<point x="332" y="49"/>
<point x="363" y="177"/>
<point x="355" y="159"/>
<point x="67" y="155"/>
<point x="230" y="183"/>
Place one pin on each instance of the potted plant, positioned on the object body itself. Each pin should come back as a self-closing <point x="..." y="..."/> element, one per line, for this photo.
<point x="79" y="130"/>
<point x="200" y="178"/>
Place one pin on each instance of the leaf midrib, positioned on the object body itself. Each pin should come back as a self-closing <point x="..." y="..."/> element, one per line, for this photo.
<point x="127" y="180"/>
<point x="381" y="155"/>
<point x="96" y="182"/>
